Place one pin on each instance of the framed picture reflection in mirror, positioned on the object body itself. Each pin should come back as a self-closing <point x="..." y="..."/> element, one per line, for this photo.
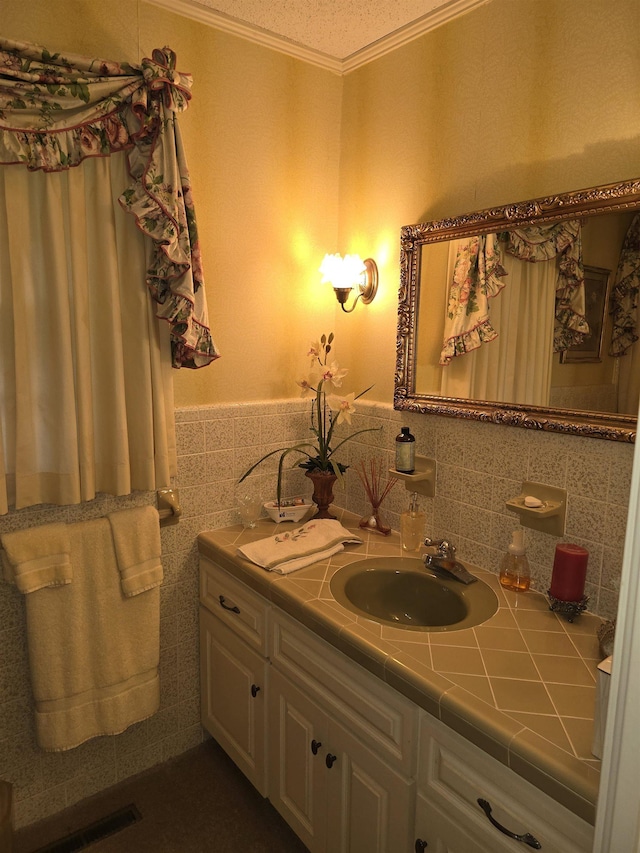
<point x="596" y="286"/>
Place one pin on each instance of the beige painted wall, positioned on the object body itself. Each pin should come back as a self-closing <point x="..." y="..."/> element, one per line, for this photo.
<point x="512" y="101"/>
<point x="262" y="136"/>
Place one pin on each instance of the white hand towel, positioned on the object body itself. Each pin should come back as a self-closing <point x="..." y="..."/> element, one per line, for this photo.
<point x="93" y="652"/>
<point x="136" y="540"/>
<point x="37" y="557"/>
<point x="316" y="540"/>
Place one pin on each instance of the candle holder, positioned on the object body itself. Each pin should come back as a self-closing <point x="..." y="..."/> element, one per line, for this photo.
<point x="570" y="609"/>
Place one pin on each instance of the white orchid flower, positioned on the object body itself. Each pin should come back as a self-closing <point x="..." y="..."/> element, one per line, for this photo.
<point x="342" y="405"/>
<point x="333" y="374"/>
<point x="307" y="385"/>
<point x="314" y="350"/>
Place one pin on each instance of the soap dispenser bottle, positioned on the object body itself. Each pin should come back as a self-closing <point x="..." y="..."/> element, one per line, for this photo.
<point x="412" y="526"/>
<point x="514" y="568"/>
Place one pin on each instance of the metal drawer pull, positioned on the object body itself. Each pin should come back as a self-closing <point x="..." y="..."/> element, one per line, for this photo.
<point x="315" y="746"/>
<point x="420" y="845"/>
<point x="330" y="759"/>
<point x="254" y="690"/>
<point x="233" y="609"/>
<point x="527" y="838"/>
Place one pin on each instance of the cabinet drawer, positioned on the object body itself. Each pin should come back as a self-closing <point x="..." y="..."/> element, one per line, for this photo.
<point x="453" y="774"/>
<point x="444" y="835"/>
<point x="365" y="705"/>
<point x="234" y="604"/>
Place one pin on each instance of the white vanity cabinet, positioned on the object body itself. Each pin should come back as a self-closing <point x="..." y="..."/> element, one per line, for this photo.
<point x="453" y="774"/>
<point x="351" y="764"/>
<point x="234" y="671"/>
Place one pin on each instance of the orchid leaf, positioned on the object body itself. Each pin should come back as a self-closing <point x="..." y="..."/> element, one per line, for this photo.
<point x="259" y="462"/>
<point x="362" y="393"/>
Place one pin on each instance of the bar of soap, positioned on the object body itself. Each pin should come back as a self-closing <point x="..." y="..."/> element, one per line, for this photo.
<point x="534" y="503"/>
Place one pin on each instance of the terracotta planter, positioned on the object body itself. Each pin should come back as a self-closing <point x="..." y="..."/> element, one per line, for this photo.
<point x="322" y="491"/>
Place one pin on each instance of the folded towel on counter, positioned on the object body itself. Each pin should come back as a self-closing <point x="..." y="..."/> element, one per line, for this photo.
<point x="316" y="540"/>
<point x="37" y="557"/>
<point x="136" y="539"/>
<point x="93" y="652"/>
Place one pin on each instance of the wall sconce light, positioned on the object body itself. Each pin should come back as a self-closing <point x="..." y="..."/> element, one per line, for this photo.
<point x="349" y="273"/>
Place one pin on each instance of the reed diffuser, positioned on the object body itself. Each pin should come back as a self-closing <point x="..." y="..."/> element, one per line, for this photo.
<point x="377" y="489"/>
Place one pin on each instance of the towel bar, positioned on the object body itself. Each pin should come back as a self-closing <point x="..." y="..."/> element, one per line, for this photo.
<point x="169" y="508"/>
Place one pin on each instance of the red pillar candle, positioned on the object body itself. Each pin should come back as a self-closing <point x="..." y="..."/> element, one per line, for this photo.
<point x="569" y="572"/>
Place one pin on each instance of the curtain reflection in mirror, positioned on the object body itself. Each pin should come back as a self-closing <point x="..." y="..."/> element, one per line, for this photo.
<point x="516" y="367"/>
<point x="538" y="274"/>
<point x="624" y="308"/>
<point x="476" y="274"/>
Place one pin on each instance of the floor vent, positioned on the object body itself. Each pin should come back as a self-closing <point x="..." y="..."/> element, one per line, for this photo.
<point x="81" y="839"/>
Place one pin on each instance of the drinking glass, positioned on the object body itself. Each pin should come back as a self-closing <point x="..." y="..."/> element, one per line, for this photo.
<point x="249" y="502"/>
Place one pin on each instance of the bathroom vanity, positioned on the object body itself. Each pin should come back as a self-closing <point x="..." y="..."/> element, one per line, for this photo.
<point x="363" y="736"/>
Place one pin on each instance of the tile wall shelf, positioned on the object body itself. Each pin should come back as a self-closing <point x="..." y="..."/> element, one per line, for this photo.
<point x="548" y="518"/>
<point x="423" y="479"/>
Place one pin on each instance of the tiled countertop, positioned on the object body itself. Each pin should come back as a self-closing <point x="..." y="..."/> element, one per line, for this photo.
<point x="521" y="686"/>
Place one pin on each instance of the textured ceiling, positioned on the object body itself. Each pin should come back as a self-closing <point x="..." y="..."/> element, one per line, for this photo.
<point x="337" y="28"/>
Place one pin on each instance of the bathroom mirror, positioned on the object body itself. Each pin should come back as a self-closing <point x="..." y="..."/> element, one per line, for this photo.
<point x="580" y="391"/>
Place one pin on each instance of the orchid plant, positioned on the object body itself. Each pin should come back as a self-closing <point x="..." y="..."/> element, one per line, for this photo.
<point x="328" y="409"/>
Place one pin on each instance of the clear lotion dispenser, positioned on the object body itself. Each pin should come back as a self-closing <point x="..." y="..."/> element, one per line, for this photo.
<point x="514" y="568"/>
<point x="412" y="526"/>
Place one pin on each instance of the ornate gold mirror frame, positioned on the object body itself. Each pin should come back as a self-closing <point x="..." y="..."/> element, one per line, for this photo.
<point x="582" y="203"/>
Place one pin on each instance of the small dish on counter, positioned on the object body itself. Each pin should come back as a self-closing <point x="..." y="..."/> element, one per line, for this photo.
<point x="290" y="509"/>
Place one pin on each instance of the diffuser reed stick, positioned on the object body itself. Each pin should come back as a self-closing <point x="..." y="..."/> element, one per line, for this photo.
<point x="377" y="489"/>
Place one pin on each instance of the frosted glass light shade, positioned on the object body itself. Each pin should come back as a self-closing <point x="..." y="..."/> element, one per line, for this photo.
<point x="342" y="272"/>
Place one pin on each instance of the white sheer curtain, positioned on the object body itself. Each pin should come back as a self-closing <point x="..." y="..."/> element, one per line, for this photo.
<point x="516" y="366"/>
<point x="86" y="401"/>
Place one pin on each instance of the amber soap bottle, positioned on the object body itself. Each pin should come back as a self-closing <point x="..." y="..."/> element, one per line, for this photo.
<point x="514" y="568"/>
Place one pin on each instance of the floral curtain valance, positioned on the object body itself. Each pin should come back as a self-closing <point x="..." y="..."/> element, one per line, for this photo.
<point x="544" y="243"/>
<point x="477" y="278"/>
<point x="56" y="111"/>
<point x="626" y="288"/>
<point x="478" y="275"/>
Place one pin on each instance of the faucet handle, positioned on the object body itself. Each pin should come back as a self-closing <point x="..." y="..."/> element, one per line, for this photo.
<point x="445" y="548"/>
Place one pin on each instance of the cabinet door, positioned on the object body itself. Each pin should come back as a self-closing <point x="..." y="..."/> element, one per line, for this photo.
<point x="371" y="806"/>
<point x="233" y="697"/>
<point x="297" y="766"/>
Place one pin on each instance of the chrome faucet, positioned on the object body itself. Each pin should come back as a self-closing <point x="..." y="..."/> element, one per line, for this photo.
<point x="443" y="563"/>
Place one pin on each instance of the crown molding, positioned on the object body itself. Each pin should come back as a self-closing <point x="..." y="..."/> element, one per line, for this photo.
<point x="385" y="45"/>
<point x="249" y="32"/>
<point x="409" y="32"/>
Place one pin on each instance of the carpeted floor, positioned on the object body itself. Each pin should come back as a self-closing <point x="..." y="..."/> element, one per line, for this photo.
<point x="197" y="803"/>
